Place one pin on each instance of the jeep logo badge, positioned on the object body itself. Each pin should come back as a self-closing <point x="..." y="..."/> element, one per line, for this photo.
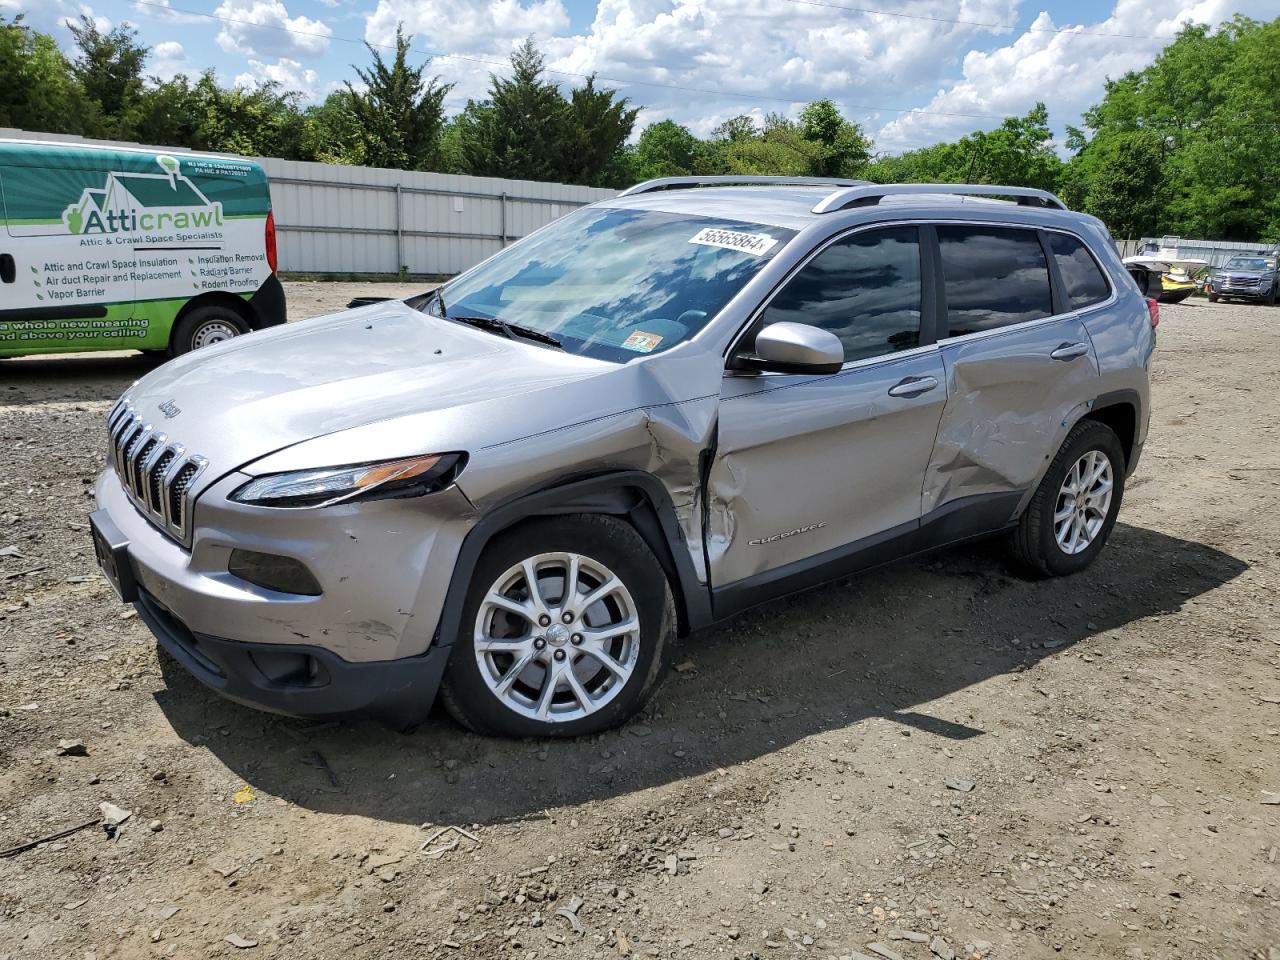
<point x="170" y="409"/>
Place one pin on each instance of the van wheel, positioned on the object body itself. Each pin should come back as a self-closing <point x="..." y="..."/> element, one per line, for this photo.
<point x="1074" y="509"/>
<point x="1213" y="298"/>
<point x="205" y="326"/>
<point x="568" y="628"/>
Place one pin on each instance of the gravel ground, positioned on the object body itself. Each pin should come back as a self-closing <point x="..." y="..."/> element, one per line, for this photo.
<point x="938" y="757"/>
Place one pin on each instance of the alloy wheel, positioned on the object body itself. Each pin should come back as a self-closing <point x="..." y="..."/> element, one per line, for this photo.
<point x="1084" y="500"/>
<point x="557" y="637"/>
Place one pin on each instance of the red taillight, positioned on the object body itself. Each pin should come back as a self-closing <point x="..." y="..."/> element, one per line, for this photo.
<point x="1153" y="308"/>
<point x="271" y="240"/>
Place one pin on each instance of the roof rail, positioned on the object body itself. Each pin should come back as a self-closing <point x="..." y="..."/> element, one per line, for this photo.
<point x="688" y="183"/>
<point x="868" y="195"/>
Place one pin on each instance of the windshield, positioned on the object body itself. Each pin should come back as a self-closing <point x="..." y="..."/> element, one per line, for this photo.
<point x="1251" y="263"/>
<point x="617" y="284"/>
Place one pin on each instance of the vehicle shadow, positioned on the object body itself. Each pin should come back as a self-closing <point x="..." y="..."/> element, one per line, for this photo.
<point x="882" y="645"/>
<point x="71" y="379"/>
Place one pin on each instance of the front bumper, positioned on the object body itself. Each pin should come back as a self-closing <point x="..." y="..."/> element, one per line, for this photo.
<point x="366" y="644"/>
<point x="300" y="680"/>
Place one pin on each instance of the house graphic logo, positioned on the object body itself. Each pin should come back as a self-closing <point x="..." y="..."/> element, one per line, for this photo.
<point x="131" y="202"/>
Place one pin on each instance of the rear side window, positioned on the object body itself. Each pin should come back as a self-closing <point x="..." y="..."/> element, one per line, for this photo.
<point x="865" y="289"/>
<point x="994" y="277"/>
<point x="1082" y="279"/>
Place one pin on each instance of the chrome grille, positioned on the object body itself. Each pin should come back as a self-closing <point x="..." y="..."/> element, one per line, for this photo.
<point x="156" y="473"/>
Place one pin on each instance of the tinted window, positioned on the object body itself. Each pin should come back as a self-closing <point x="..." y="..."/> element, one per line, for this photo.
<point x="1084" y="282"/>
<point x="865" y="289"/>
<point x="994" y="277"/>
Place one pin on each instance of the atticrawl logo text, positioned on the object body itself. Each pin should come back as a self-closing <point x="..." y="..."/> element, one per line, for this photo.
<point x="137" y="202"/>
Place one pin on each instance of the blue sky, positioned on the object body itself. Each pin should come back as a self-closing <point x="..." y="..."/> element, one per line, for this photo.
<point x="911" y="73"/>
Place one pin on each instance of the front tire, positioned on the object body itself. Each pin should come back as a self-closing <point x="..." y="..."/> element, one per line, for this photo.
<point x="568" y="628"/>
<point x="1073" y="511"/>
<point x="205" y="326"/>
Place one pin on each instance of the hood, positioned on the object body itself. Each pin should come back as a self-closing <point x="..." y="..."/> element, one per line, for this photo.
<point x="243" y="399"/>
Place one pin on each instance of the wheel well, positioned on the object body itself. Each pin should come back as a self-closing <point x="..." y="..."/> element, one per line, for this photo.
<point x="219" y="298"/>
<point x="632" y="504"/>
<point x="633" y="495"/>
<point x="1122" y="418"/>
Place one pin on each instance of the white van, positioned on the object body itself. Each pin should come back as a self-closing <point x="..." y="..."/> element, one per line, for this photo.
<point x="107" y="248"/>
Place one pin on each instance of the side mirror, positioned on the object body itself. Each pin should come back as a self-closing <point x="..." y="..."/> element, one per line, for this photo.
<point x="794" y="348"/>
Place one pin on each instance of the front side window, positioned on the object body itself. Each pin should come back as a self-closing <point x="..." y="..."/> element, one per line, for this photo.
<point x="994" y="277"/>
<point x="1083" y="282"/>
<point x="616" y="284"/>
<point x="865" y="289"/>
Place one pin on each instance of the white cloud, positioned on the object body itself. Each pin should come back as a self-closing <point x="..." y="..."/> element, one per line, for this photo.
<point x="1066" y="70"/>
<point x="776" y="54"/>
<point x="486" y="30"/>
<point x="289" y="74"/>
<point x="167" y="60"/>
<point x="51" y="16"/>
<point x="264" y="28"/>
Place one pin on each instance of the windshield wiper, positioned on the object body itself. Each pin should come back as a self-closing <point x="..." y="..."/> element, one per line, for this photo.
<point x="512" y="331"/>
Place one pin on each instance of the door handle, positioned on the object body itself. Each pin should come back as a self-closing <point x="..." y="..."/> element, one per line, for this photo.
<point x="1069" y="351"/>
<point x="8" y="269"/>
<point x="913" y="386"/>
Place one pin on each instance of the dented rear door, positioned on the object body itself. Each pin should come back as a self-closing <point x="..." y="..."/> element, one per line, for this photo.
<point x="1017" y="375"/>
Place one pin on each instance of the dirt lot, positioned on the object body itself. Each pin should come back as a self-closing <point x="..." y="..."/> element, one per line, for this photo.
<point x="939" y="751"/>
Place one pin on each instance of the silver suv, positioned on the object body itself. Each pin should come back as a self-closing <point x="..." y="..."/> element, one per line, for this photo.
<point x="521" y="488"/>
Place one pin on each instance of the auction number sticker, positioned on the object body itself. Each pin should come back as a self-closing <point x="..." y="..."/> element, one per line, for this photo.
<point x="756" y="244"/>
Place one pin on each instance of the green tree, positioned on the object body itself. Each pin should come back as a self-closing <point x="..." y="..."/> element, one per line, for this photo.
<point x="844" y="149"/>
<point x="332" y="131"/>
<point x="522" y="130"/>
<point x="665" y="149"/>
<point x="109" y="69"/>
<point x="1121" y="179"/>
<point x="1019" y="153"/>
<point x="400" y="113"/>
<point x="39" y="91"/>
<point x="599" y="123"/>
<point x="1189" y="144"/>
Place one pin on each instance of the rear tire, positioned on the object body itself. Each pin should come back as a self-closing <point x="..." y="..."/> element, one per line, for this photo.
<point x="1073" y="511"/>
<point x="549" y="661"/>
<point x="205" y="326"/>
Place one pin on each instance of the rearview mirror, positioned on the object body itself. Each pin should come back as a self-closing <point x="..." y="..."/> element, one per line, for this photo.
<point x="794" y="348"/>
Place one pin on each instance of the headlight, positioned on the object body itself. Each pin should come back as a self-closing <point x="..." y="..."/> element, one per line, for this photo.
<point x="364" y="481"/>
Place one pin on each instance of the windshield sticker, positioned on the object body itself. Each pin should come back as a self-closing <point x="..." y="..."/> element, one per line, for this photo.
<point x="756" y="244"/>
<point x="642" y="342"/>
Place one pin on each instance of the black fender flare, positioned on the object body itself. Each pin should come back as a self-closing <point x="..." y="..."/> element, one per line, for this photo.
<point x="637" y="496"/>
<point x="1122" y="398"/>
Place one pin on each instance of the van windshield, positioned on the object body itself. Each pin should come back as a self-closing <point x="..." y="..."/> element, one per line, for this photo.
<point x="616" y="284"/>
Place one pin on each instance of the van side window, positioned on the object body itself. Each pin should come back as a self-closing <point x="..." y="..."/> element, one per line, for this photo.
<point x="1081" y="277"/>
<point x="993" y="277"/>
<point x="865" y="289"/>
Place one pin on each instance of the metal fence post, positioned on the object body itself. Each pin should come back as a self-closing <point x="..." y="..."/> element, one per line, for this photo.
<point x="502" y="199"/>
<point x="400" y="264"/>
